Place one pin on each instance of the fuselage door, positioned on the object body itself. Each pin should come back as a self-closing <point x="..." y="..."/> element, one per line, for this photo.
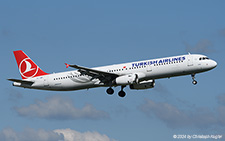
<point x="46" y="84"/>
<point x="190" y="60"/>
<point x="148" y="68"/>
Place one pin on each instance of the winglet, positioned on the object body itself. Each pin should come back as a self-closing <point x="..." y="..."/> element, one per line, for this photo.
<point x="67" y="65"/>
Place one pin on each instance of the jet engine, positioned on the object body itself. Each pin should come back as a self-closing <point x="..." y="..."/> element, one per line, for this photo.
<point x="126" y="79"/>
<point x="143" y="85"/>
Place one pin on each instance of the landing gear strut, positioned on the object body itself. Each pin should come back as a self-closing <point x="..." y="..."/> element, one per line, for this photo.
<point x="193" y="78"/>
<point x="122" y="93"/>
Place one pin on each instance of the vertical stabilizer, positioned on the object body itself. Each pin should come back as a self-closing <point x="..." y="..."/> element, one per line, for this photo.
<point x="27" y="68"/>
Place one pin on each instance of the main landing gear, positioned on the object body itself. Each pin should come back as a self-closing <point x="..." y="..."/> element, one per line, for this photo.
<point x="110" y="91"/>
<point x="121" y="93"/>
<point x="193" y="78"/>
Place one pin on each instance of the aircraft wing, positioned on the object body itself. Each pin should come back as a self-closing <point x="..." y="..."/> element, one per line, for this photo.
<point x="103" y="76"/>
<point x="21" y="81"/>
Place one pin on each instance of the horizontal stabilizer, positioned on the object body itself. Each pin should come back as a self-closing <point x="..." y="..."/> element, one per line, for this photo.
<point x="21" y="81"/>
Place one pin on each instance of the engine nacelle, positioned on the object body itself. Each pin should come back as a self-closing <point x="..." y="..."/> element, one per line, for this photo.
<point x="143" y="85"/>
<point x="127" y="79"/>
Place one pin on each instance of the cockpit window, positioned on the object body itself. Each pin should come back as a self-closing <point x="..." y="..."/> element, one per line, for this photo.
<point x="203" y="58"/>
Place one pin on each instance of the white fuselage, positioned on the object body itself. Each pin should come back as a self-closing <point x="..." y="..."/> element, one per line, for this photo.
<point x="147" y="69"/>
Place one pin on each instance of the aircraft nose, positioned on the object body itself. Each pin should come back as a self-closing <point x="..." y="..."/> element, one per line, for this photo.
<point x="213" y="64"/>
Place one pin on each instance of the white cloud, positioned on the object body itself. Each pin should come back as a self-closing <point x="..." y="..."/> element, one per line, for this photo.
<point x="221" y="111"/>
<point x="29" y="134"/>
<point x="14" y="95"/>
<point x="161" y="89"/>
<point x="169" y="114"/>
<point x="175" y="117"/>
<point x="222" y="32"/>
<point x="60" y="108"/>
<point x="72" y="135"/>
<point x="221" y="99"/>
<point x="202" y="46"/>
<point x="8" y="134"/>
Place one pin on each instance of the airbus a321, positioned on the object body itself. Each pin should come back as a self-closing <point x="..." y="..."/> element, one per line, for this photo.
<point x="137" y="75"/>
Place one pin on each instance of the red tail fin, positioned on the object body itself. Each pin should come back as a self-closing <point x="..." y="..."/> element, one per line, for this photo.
<point x="27" y="67"/>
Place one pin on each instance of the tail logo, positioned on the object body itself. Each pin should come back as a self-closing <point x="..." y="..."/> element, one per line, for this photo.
<point x="27" y="68"/>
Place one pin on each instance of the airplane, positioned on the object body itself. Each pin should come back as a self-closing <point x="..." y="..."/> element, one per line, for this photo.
<point x="137" y="75"/>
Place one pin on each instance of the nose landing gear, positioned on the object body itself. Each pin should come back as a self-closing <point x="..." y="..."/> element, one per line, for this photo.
<point x="193" y="78"/>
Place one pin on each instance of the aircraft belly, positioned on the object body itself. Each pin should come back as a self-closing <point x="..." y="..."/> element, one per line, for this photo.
<point x="164" y="72"/>
<point x="71" y="85"/>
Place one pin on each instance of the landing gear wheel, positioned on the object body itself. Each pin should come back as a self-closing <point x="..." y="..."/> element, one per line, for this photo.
<point x="194" y="82"/>
<point x="121" y="93"/>
<point x="110" y="91"/>
<point x="193" y="78"/>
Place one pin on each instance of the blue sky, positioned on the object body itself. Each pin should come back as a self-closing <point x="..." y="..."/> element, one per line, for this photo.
<point x="97" y="33"/>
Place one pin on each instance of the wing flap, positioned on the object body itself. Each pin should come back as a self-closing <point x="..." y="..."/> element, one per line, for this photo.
<point x="92" y="70"/>
<point x="103" y="76"/>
